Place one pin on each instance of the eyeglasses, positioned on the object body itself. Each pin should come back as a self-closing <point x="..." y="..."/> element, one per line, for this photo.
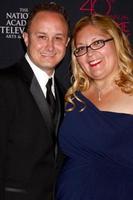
<point x="98" y="44"/>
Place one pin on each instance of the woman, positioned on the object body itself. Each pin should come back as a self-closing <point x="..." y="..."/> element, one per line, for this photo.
<point x="97" y="133"/>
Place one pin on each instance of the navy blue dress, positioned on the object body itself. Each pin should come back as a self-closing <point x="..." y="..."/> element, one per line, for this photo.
<point x="99" y="155"/>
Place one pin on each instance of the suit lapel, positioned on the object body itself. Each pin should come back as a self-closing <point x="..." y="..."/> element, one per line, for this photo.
<point x="27" y="75"/>
<point x="41" y="102"/>
<point x="58" y="110"/>
<point x="60" y="106"/>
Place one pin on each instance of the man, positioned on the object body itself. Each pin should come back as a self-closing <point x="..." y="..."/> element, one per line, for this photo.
<point x="28" y="126"/>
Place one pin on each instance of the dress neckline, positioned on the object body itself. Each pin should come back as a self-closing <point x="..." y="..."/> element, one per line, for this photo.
<point x="90" y="103"/>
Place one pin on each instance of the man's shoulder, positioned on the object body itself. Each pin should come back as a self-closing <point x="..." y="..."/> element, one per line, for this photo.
<point x="7" y="72"/>
<point x="60" y="86"/>
<point x="12" y="71"/>
<point x="10" y="74"/>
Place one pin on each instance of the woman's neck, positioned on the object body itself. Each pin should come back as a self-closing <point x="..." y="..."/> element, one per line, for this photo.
<point x="102" y="88"/>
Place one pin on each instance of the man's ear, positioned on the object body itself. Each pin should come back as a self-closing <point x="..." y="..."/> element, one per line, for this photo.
<point x="25" y="38"/>
<point x="68" y="40"/>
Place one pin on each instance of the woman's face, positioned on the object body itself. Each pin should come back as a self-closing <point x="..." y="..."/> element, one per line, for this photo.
<point x="101" y="63"/>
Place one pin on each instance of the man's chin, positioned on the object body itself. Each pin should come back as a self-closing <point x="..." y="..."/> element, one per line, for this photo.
<point x="49" y="65"/>
<point x="49" y="68"/>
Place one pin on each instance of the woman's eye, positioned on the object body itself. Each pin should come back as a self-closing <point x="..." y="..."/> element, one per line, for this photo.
<point x="80" y="49"/>
<point x="98" y="42"/>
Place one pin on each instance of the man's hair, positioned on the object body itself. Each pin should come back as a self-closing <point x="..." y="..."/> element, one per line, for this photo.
<point x="46" y="6"/>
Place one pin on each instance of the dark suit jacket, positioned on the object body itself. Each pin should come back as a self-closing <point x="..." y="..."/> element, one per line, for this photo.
<point x="27" y="145"/>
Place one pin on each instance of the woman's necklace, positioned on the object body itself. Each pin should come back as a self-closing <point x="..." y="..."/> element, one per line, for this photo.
<point x="100" y="91"/>
<point x="99" y="94"/>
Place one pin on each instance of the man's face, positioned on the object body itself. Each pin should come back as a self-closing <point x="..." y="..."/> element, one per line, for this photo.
<point x="46" y="40"/>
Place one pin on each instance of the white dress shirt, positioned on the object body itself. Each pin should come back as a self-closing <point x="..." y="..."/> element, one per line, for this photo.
<point x="41" y="76"/>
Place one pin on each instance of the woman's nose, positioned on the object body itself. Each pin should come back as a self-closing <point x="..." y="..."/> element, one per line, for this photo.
<point x="90" y="51"/>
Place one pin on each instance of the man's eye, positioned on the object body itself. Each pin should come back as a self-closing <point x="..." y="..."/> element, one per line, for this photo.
<point x="59" y="38"/>
<point x="42" y="37"/>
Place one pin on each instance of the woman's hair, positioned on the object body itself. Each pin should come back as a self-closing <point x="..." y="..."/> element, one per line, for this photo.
<point x="80" y="81"/>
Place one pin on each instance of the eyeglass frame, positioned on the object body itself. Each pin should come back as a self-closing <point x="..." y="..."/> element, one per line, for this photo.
<point x="89" y="46"/>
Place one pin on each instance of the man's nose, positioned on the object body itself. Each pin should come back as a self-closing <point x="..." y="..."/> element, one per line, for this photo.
<point x="50" y="44"/>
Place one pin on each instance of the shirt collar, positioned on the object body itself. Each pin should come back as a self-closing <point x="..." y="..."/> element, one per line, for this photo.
<point x="41" y="75"/>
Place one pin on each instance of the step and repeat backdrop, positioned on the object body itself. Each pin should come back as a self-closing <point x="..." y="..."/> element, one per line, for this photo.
<point x="14" y="13"/>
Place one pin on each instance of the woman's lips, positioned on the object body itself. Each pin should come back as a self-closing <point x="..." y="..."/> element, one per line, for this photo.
<point x="94" y="63"/>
